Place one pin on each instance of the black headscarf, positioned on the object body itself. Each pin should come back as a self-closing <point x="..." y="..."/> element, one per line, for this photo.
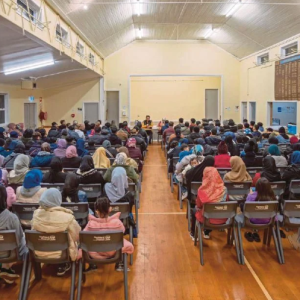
<point x="269" y="170"/>
<point x="231" y="146"/>
<point x="3" y="197"/>
<point x="55" y="168"/>
<point x="196" y="174"/>
<point x="71" y="188"/>
<point x="87" y="164"/>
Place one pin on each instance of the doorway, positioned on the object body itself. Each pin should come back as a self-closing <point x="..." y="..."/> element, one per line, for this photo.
<point x="30" y="117"/>
<point x="244" y="111"/>
<point x="91" y="111"/>
<point x="252" y="111"/>
<point x="211" y="104"/>
<point x="113" y="107"/>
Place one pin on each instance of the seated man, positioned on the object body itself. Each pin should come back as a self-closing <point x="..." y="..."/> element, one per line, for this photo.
<point x="147" y="125"/>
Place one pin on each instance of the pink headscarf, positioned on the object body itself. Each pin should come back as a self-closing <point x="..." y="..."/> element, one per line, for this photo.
<point x="131" y="143"/>
<point x="71" y="152"/>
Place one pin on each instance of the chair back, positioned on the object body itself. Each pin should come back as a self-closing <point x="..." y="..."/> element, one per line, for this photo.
<point x="283" y="146"/>
<point x="260" y="210"/>
<point x="238" y="188"/>
<point x="91" y="190"/>
<point x="101" y="170"/>
<point x="258" y="161"/>
<point x="282" y="169"/>
<point x="48" y="242"/>
<point x="9" y="246"/>
<point x="220" y="210"/>
<point x="123" y="208"/>
<point x="24" y="211"/>
<point x="132" y="187"/>
<point x="58" y="186"/>
<point x="253" y="170"/>
<point x="195" y="186"/>
<point x="80" y="211"/>
<point x="70" y="170"/>
<point x="295" y="187"/>
<point x="278" y="187"/>
<point x="223" y="171"/>
<point x="175" y="160"/>
<point x="291" y="209"/>
<point x="43" y="169"/>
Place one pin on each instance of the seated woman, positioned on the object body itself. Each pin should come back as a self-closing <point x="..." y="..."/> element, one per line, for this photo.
<point x="129" y="161"/>
<point x="135" y="152"/>
<point x="81" y="151"/>
<point x="55" y="174"/>
<point x="43" y="158"/>
<point x="263" y="192"/>
<point x="71" y="192"/>
<point x="100" y="159"/>
<point x="280" y="160"/>
<point x="9" y="221"/>
<point x="116" y="190"/>
<point x="21" y="167"/>
<point x="50" y="217"/>
<point x="120" y="161"/>
<point x="249" y="157"/>
<point x="233" y="149"/>
<point x="87" y="173"/>
<point x="8" y="162"/>
<point x="61" y="149"/>
<point x="212" y="190"/>
<point x="110" y="151"/>
<point x="71" y="160"/>
<point x="222" y="159"/>
<point x="282" y="137"/>
<point x="268" y="171"/>
<point x="105" y="222"/>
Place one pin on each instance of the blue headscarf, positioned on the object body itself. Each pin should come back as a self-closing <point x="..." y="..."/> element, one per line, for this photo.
<point x="80" y="148"/>
<point x="32" y="179"/>
<point x="274" y="150"/>
<point x="198" y="150"/>
<point x="184" y="141"/>
<point x="295" y="160"/>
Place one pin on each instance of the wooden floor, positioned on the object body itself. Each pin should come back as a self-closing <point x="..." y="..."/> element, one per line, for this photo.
<point x="166" y="263"/>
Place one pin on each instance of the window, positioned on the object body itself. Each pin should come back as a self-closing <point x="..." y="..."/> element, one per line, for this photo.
<point x="79" y="49"/>
<point x="33" y="9"/>
<point x="290" y="49"/>
<point x="62" y="35"/>
<point x="3" y="108"/>
<point x="92" y="59"/>
<point x="263" y="59"/>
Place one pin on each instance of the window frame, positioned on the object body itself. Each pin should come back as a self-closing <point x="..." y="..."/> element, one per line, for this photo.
<point x="92" y="58"/>
<point x="64" y="39"/>
<point x="81" y="47"/>
<point x="34" y="10"/>
<point x="5" y="109"/>
<point x="284" y="48"/>
<point x="260" y="57"/>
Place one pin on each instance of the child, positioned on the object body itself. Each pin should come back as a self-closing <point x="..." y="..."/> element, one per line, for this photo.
<point x="104" y="222"/>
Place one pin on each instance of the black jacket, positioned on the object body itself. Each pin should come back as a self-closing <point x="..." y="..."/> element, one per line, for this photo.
<point x="58" y="177"/>
<point x="115" y="140"/>
<point x="73" y="162"/>
<point x="291" y="173"/>
<point x="249" y="159"/>
<point x="91" y="177"/>
<point x="54" y="133"/>
<point x="112" y="151"/>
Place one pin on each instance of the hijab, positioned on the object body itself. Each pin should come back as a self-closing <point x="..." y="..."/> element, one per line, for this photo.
<point x="80" y="148"/>
<point x="55" y="168"/>
<point x="32" y="179"/>
<point x="50" y="198"/>
<point x="60" y="151"/>
<point x="100" y="159"/>
<point x="70" y="189"/>
<point x="106" y="144"/>
<point x="21" y="164"/>
<point x="86" y="164"/>
<point x="3" y="197"/>
<point x="274" y="150"/>
<point x="121" y="159"/>
<point x="238" y="171"/>
<point x="131" y="143"/>
<point x="71" y="152"/>
<point x="269" y="169"/>
<point x="295" y="159"/>
<point x="212" y="188"/>
<point x="116" y="189"/>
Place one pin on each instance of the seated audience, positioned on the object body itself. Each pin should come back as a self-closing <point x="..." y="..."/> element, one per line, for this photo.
<point x="168" y="131"/>
<point x="100" y="159"/>
<point x="195" y="134"/>
<point x="43" y="158"/>
<point x="280" y="160"/>
<point x="55" y="174"/>
<point x="71" y="192"/>
<point x="294" y="140"/>
<point x="222" y="159"/>
<point x="134" y="152"/>
<point x="53" y="132"/>
<point x="79" y="129"/>
<point x="6" y="147"/>
<point x="91" y="146"/>
<point x="81" y="151"/>
<point x="177" y="136"/>
<point x="240" y="131"/>
<point x="213" y="139"/>
<point x="256" y="133"/>
<point x="113" y="138"/>
<point x="249" y="158"/>
<point x="50" y="217"/>
<point x="97" y="136"/>
<point x="72" y="133"/>
<point x="207" y="149"/>
<point x="9" y="160"/>
<point x="264" y="140"/>
<point x="233" y="149"/>
<point x="27" y="138"/>
<point x="126" y="127"/>
<point x="71" y="160"/>
<point x="53" y="144"/>
<point x="21" y="167"/>
<point x="70" y="141"/>
<point x="122" y="134"/>
<point x="282" y="137"/>
<point x="129" y="161"/>
<point x="260" y="126"/>
<point x="61" y="149"/>
<point x="110" y="151"/>
<point x="185" y="130"/>
<point x="141" y="141"/>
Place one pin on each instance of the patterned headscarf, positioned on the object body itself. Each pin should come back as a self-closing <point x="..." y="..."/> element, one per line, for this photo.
<point x="131" y="143"/>
<point x="121" y="159"/>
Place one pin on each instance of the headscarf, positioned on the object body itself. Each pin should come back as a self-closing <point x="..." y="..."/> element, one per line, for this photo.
<point x="21" y="164"/>
<point x="269" y="169"/>
<point x="55" y="167"/>
<point x="80" y="148"/>
<point x="184" y="141"/>
<point x="32" y="179"/>
<point x="14" y="134"/>
<point x="71" y="152"/>
<point x="100" y="159"/>
<point x="198" y="150"/>
<point x="222" y="148"/>
<point x="70" y="189"/>
<point x="124" y="150"/>
<point x="294" y="140"/>
<point x="238" y="171"/>
<point x="116" y="189"/>
<point x="60" y="151"/>
<point x="86" y="164"/>
<point x="131" y="143"/>
<point x="212" y="188"/>
<point x="274" y="150"/>
<point x="196" y="173"/>
<point x="50" y="198"/>
<point x="3" y="198"/>
<point x="295" y="159"/>
<point x="121" y="159"/>
<point x="106" y="144"/>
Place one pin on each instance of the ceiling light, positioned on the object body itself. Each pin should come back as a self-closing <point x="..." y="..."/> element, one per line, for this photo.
<point x="29" y="67"/>
<point x="210" y="32"/>
<point x="234" y="9"/>
<point x="85" y="7"/>
<point x="140" y="33"/>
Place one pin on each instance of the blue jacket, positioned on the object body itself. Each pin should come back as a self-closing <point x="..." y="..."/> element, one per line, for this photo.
<point x="5" y="153"/>
<point x="282" y="140"/>
<point x="43" y="159"/>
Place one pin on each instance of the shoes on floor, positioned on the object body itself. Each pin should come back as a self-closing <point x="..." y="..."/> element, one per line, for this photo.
<point x="249" y="237"/>
<point x="206" y="234"/>
<point x="120" y="267"/>
<point x="8" y="275"/>
<point x="256" y="237"/>
<point x="63" y="269"/>
<point x="184" y="195"/>
<point x="192" y="236"/>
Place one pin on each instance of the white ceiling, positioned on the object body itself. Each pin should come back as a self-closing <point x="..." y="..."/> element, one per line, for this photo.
<point x="18" y="50"/>
<point x="112" y="24"/>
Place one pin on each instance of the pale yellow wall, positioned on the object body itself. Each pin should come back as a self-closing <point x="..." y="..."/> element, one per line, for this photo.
<point x="257" y="83"/>
<point x="170" y="97"/>
<point x="62" y="102"/>
<point x="170" y="58"/>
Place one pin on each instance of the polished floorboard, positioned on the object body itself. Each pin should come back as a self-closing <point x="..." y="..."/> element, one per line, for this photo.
<point x="167" y="265"/>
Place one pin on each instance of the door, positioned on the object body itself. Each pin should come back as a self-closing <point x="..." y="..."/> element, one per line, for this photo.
<point x="244" y="110"/>
<point x="30" y="116"/>
<point x="252" y="111"/>
<point x="112" y="107"/>
<point x="211" y="104"/>
<point x="91" y="112"/>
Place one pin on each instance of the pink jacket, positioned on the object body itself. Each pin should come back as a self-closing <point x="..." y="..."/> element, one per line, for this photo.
<point x="11" y="196"/>
<point x="101" y="224"/>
